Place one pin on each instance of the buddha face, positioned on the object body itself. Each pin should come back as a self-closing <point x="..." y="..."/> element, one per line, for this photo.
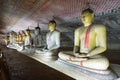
<point x="51" y="26"/>
<point x="27" y="33"/>
<point x="87" y="17"/>
<point x="37" y="31"/>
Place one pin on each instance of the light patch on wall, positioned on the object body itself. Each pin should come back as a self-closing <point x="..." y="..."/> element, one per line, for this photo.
<point x="24" y="25"/>
<point x="31" y="24"/>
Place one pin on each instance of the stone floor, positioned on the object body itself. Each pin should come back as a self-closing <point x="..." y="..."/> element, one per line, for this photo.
<point x="22" y="67"/>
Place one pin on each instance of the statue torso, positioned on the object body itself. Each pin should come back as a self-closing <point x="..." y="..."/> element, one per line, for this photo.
<point x="27" y="40"/>
<point x="92" y="42"/>
<point x="51" y="39"/>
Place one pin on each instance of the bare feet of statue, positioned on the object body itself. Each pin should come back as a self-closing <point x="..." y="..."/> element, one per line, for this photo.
<point x="79" y="59"/>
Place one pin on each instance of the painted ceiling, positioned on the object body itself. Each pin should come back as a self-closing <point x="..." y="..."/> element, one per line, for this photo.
<point x="20" y="14"/>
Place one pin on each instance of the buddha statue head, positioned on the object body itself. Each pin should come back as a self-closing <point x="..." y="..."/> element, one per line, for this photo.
<point x="52" y="25"/>
<point x="87" y="16"/>
<point x="37" y="30"/>
<point x="27" y="32"/>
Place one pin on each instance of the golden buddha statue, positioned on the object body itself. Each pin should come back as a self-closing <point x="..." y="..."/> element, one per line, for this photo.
<point x="89" y="43"/>
<point x="12" y="39"/>
<point x="17" y="38"/>
<point x="23" y="36"/>
<point x="6" y="40"/>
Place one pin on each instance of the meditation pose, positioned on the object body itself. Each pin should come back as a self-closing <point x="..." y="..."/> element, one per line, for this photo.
<point x="23" y="36"/>
<point x="20" y="41"/>
<point x="37" y="41"/>
<point x="12" y="39"/>
<point x="89" y="43"/>
<point x="13" y="43"/>
<point x="17" y="39"/>
<point x="52" y="41"/>
<point x="27" y="39"/>
<point x="6" y="40"/>
<point x="20" y="38"/>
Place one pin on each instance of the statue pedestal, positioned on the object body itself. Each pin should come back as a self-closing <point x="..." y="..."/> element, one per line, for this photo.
<point x="28" y="51"/>
<point x="39" y="51"/>
<point x="75" y="72"/>
<point x="95" y="74"/>
<point x="46" y="57"/>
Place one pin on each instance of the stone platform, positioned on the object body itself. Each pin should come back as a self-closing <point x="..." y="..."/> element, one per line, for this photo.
<point x="77" y="73"/>
<point x="93" y="74"/>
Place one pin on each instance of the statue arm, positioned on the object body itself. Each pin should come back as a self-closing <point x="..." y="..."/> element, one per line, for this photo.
<point x="58" y="40"/>
<point x="76" y="41"/>
<point x="45" y="46"/>
<point x="101" y="41"/>
<point x="30" y="40"/>
<point x="41" y="36"/>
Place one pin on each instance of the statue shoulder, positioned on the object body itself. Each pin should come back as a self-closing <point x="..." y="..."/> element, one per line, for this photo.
<point x="57" y="32"/>
<point x="99" y="27"/>
<point x="79" y="29"/>
<point x="47" y="33"/>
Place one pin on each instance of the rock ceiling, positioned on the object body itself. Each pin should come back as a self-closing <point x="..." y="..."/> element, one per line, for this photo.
<point x="20" y="14"/>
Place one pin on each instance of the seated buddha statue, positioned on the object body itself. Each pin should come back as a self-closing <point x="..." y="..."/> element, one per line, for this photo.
<point x="52" y="41"/>
<point x="23" y="36"/>
<point x="17" y="39"/>
<point x="37" y="41"/>
<point x="20" y="40"/>
<point x="6" y="40"/>
<point x="27" y="39"/>
<point x="12" y="39"/>
<point x="89" y="44"/>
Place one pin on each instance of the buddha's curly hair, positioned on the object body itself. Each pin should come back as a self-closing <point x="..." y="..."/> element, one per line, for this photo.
<point x="53" y="22"/>
<point x="27" y="30"/>
<point x="88" y="10"/>
<point x="37" y="28"/>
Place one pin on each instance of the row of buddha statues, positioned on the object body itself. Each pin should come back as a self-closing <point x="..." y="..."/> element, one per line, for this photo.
<point x="20" y="40"/>
<point x="89" y="43"/>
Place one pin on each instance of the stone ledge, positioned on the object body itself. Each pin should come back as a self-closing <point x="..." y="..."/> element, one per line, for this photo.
<point x="70" y="71"/>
